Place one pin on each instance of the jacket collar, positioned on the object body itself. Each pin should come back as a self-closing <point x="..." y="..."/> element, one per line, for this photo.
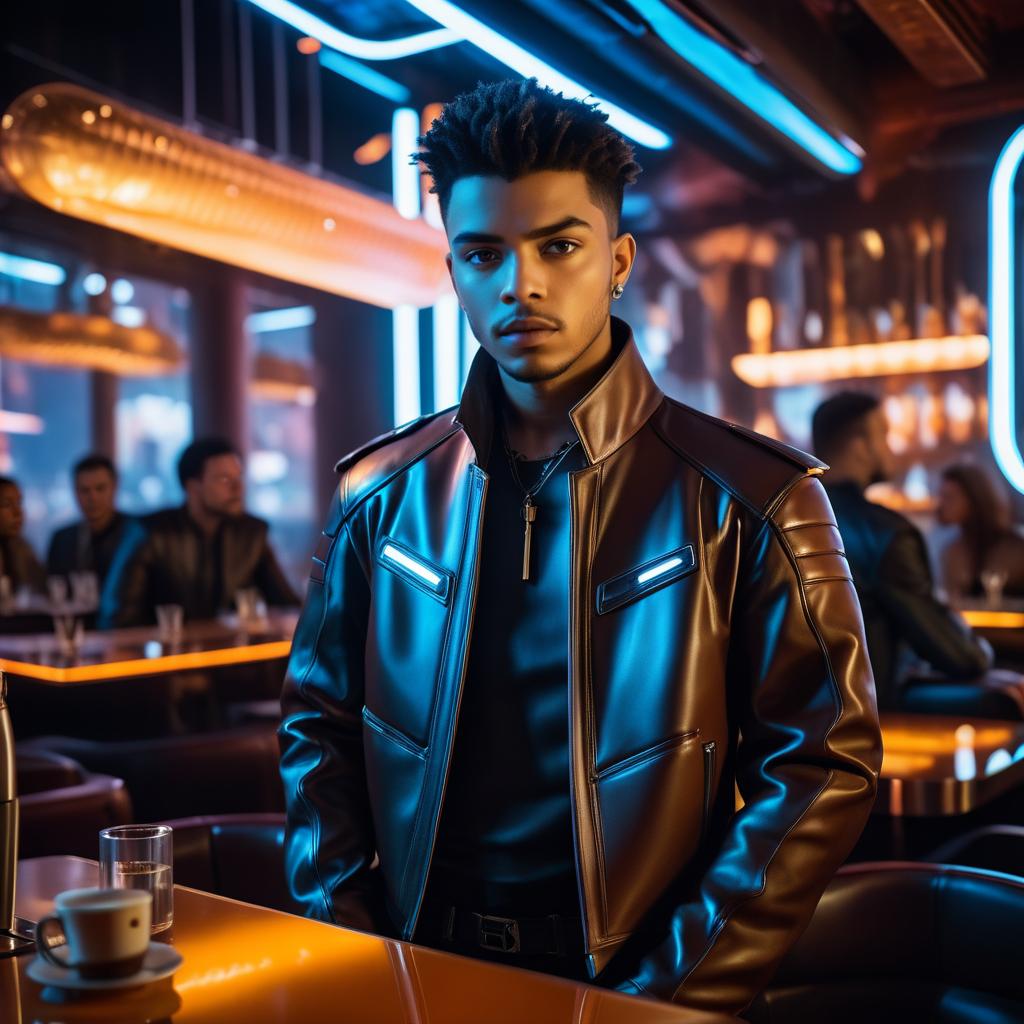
<point x="607" y="416"/>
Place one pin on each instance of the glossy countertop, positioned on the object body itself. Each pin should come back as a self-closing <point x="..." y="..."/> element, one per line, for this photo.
<point x="937" y="765"/>
<point x="255" y="966"/>
<point x="141" y="651"/>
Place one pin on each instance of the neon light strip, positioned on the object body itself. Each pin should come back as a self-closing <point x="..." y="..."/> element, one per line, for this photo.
<point x="425" y="574"/>
<point x="406" y="376"/>
<point x="147" y="666"/>
<point x="1002" y="311"/>
<point x="530" y="66"/>
<point x="446" y="352"/>
<point x="788" y="367"/>
<point x="368" y="78"/>
<point x="978" y="618"/>
<point x="280" y="319"/>
<point x="405" y="176"/>
<point x="368" y="49"/>
<point x="31" y="270"/>
<point x="659" y="570"/>
<point x="747" y="85"/>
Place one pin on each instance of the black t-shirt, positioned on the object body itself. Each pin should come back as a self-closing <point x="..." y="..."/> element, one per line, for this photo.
<point x="505" y="839"/>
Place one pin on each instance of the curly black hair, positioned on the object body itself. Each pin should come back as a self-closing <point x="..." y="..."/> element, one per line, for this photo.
<point x="514" y="127"/>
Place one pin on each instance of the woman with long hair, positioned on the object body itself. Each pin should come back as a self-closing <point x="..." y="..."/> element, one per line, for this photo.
<point x="985" y="543"/>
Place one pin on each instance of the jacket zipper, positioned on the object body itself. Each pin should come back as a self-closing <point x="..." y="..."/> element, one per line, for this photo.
<point x="648" y="755"/>
<point x="709" y="780"/>
<point x="393" y="734"/>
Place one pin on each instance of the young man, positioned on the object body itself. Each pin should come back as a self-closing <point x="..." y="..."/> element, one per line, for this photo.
<point x="887" y="554"/>
<point x="200" y="554"/>
<point x="539" y="624"/>
<point x="90" y="544"/>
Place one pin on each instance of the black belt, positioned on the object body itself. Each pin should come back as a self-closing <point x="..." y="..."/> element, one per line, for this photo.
<point x="530" y="936"/>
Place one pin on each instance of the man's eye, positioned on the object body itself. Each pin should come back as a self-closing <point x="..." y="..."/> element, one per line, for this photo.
<point x="565" y="246"/>
<point x="480" y="256"/>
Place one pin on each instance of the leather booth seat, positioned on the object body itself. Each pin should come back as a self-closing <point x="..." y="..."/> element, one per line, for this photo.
<point x="993" y="695"/>
<point x="894" y="941"/>
<point x="179" y="776"/>
<point x="240" y="856"/>
<point x="992" y="848"/>
<point x="40" y="770"/>
<point x="68" y="820"/>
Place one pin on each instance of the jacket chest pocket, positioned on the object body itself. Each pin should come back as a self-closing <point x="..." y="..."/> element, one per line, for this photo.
<point x="646" y="578"/>
<point x="415" y="569"/>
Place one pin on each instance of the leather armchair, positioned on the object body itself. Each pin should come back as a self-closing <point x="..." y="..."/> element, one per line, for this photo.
<point x="177" y="776"/>
<point x="240" y="856"/>
<point x="898" y="942"/>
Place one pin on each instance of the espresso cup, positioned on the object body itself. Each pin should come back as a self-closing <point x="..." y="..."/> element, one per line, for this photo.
<point x="107" y="931"/>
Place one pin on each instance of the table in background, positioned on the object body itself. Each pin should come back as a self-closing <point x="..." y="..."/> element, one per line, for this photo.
<point x="1002" y="626"/>
<point x="137" y="675"/>
<point x="247" y="964"/>
<point x="942" y="776"/>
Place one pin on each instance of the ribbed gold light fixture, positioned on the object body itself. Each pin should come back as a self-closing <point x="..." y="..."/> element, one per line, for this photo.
<point x="95" y="158"/>
<point x="85" y="341"/>
<point x="784" y="368"/>
<point x="277" y="379"/>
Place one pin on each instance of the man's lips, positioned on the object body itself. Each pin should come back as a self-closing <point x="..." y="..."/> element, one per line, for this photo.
<point x="528" y="331"/>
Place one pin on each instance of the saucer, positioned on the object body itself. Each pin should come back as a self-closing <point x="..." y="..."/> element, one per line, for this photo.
<point x="161" y="961"/>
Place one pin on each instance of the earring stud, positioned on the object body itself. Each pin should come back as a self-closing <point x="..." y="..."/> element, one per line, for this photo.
<point x="618" y="290"/>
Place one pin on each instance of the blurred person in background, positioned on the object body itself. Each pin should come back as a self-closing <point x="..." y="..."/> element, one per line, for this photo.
<point x="887" y="554"/>
<point x="18" y="562"/>
<point x="199" y="554"/>
<point x="90" y="544"/>
<point x="985" y="548"/>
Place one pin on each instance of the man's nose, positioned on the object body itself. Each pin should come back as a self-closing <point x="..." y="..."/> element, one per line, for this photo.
<point x="524" y="281"/>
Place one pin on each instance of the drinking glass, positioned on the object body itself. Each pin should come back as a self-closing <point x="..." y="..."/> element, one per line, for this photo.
<point x="141" y="857"/>
<point x="252" y="609"/>
<point x="169" y="620"/>
<point x="70" y="632"/>
<point x="57" y="587"/>
<point x="993" y="580"/>
<point x="85" y="590"/>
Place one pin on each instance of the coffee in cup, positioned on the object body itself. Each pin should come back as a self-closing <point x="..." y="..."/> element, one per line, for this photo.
<point x="107" y="931"/>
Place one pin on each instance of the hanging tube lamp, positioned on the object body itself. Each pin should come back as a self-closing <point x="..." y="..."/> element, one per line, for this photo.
<point x="95" y="158"/>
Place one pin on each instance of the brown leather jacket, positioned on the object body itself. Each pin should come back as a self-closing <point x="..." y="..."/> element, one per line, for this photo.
<point x="715" y="642"/>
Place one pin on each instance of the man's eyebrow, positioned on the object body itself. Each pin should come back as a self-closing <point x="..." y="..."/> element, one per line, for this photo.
<point x="548" y="229"/>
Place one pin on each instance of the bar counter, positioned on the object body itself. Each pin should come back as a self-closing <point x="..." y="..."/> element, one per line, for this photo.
<point x="246" y="964"/>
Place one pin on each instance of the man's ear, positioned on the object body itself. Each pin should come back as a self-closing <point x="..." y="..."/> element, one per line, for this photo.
<point x="451" y="274"/>
<point x="623" y="256"/>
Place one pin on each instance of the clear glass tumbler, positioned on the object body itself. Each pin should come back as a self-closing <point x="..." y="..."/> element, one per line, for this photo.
<point x="141" y="857"/>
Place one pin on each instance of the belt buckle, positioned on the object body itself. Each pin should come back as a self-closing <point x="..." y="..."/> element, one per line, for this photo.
<point x="498" y="934"/>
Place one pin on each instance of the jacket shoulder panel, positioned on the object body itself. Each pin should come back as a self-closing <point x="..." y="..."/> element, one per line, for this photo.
<point x="755" y="469"/>
<point x="371" y="465"/>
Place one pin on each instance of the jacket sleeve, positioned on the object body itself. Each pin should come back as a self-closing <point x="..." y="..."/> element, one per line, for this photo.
<point x="126" y="598"/>
<point x="806" y="764"/>
<point x="330" y="844"/>
<point x="935" y="633"/>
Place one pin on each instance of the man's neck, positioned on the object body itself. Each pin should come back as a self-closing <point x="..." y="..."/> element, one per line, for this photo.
<point x="99" y="525"/>
<point x="208" y="522"/>
<point x="536" y="413"/>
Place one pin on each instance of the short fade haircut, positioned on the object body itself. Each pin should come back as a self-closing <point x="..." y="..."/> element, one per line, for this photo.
<point x="194" y="458"/>
<point x="93" y="461"/>
<point x="512" y="128"/>
<point x="838" y="420"/>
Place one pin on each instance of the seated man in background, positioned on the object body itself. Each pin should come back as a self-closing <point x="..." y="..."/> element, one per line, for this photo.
<point x="887" y="554"/>
<point x="90" y="544"/>
<point x="200" y="554"/>
<point x="18" y="562"/>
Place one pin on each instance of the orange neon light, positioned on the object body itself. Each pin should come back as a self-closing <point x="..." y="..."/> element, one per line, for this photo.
<point x="95" y="158"/>
<point x="979" y="618"/>
<point x="148" y="666"/>
<point x="816" y="365"/>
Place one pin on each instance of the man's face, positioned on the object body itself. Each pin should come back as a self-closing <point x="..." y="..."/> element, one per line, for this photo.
<point x="877" y="446"/>
<point x="537" y="249"/>
<point x="12" y="517"/>
<point x="95" y="490"/>
<point x="221" y="488"/>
